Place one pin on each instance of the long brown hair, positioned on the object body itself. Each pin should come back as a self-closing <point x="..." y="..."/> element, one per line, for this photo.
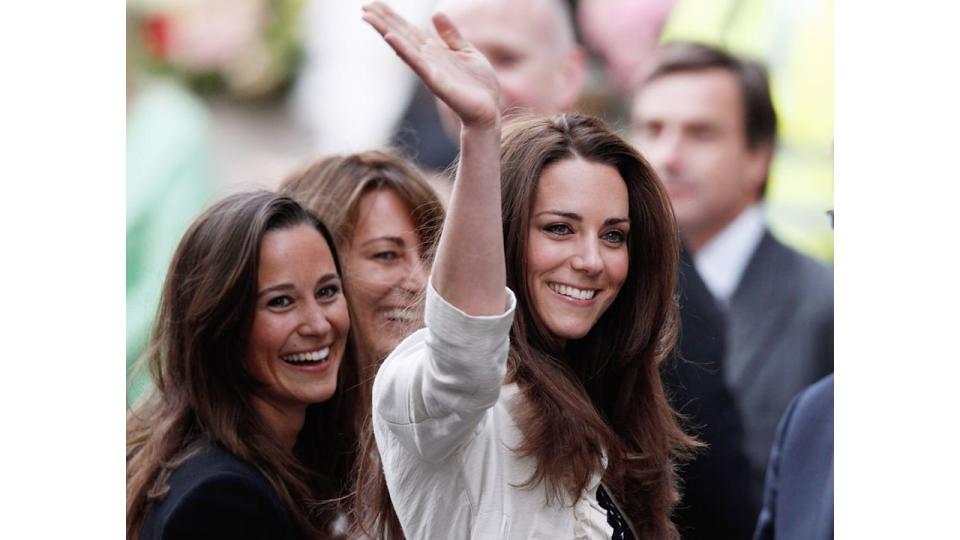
<point x="603" y="392"/>
<point x="203" y="389"/>
<point x="332" y="187"/>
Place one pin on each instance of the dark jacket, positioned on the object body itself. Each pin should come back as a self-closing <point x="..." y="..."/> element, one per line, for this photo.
<point x="717" y="501"/>
<point x="779" y="341"/>
<point x="798" y="495"/>
<point x="215" y="495"/>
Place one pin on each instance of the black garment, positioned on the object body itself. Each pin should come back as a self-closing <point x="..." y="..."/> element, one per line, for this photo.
<point x="717" y="502"/>
<point x="215" y="495"/>
<point x="621" y="530"/>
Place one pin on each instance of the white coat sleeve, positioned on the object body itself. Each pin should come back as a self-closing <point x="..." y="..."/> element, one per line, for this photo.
<point x="434" y="388"/>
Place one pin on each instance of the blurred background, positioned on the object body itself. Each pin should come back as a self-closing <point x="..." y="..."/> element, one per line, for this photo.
<point x="228" y="95"/>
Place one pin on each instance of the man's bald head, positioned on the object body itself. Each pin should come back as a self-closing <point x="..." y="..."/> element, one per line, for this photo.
<point x="532" y="47"/>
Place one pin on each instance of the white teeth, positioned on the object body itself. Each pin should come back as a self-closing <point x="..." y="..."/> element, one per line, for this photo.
<point x="314" y="356"/>
<point x="573" y="292"/>
<point x="404" y="315"/>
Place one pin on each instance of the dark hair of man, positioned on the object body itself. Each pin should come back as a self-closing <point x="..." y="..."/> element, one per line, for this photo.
<point x="759" y="114"/>
<point x="203" y="388"/>
<point x="603" y="392"/>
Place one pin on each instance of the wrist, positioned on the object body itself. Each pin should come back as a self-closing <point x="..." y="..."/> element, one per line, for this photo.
<point x="480" y="129"/>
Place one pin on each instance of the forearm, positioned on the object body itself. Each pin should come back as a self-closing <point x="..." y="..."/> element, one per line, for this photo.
<point x="469" y="267"/>
<point x="436" y="386"/>
<point x="469" y="270"/>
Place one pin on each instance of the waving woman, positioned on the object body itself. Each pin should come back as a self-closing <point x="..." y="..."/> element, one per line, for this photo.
<point x="531" y="404"/>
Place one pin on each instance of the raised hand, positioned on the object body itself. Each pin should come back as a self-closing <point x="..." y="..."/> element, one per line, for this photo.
<point x="453" y="69"/>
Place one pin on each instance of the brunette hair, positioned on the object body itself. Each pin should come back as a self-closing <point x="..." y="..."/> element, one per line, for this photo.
<point x="601" y="394"/>
<point x="333" y="187"/>
<point x="203" y="389"/>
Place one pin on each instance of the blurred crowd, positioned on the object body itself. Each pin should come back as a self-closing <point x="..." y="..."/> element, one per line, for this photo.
<point x="729" y="101"/>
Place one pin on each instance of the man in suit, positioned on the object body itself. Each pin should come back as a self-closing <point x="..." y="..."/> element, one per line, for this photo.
<point x="705" y="120"/>
<point x="717" y="502"/>
<point x="798" y="496"/>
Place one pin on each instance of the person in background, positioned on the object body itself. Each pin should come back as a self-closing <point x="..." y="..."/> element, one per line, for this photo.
<point x="625" y="35"/>
<point x="705" y="120"/>
<point x="717" y="500"/>
<point x="252" y="422"/>
<point x="492" y="425"/>
<point x="795" y="41"/>
<point x="798" y="495"/>
<point x="385" y="219"/>
<point x="532" y="47"/>
<point x="169" y="180"/>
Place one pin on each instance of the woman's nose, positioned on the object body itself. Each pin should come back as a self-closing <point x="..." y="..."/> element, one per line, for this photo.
<point x="416" y="280"/>
<point x="315" y="322"/>
<point x="587" y="259"/>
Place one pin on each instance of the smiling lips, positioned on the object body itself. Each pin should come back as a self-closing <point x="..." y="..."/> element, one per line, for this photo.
<point x="572" y="292"/>
<point x="307" y="358"/>
<point x="401" y="315"/>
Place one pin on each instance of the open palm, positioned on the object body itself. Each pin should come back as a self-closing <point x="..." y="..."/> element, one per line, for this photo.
<point x="453" y="69"/>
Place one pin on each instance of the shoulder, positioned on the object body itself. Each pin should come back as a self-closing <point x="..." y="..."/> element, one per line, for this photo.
<point x="213" y="493"/>
<point x="810" y="414"/>
<point x="816" y="398"/>
<point x="812" y="278"/>
<point x="798" y="262"/>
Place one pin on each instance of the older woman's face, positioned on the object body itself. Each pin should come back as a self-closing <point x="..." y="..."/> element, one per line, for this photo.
<point x="577" y="258"/>
<point x="386" y="274"/>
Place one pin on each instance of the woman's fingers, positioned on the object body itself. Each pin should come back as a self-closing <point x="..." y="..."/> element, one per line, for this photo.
<point x="453" y="70"/>
<point x="397" y="33"/>
<point x="448" y="32"/>
<point x="408" y="54"/>
<point x="386" y="21"/>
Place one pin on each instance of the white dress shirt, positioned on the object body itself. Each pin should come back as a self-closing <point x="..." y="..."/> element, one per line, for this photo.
<point x="722" y="260"/>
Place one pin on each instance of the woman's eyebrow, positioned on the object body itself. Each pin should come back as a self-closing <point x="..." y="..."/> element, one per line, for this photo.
<point x="276" y="288"/>
<point x="393" y="239"/>
<point x="289" y="286"/>
<point x="562" y="213"/>
<point x="332" y="276"/>
<point x="577" y="217"/>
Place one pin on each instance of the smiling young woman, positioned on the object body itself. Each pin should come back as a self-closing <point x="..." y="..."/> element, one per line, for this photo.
<point x="386" y="219"/>
<point x="531" y="404"/>
<point x="253" y="418"/>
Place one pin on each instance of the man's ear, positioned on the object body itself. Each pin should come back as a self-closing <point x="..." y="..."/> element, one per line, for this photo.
<point x="572" y="77"/>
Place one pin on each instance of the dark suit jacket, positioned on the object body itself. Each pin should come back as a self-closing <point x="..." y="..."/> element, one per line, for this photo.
<point x="779" y="341"/>
<point x="215" y="495"/>
<point x="715" y="486"/>
<point x="798" y="496"/>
